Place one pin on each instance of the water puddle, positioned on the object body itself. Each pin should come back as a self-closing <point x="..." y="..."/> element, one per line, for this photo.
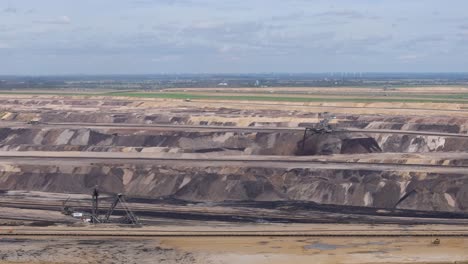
<point x="322" y="246"/>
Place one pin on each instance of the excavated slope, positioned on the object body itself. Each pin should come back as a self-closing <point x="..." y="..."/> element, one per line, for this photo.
<point x="249" y="143"/>
<point x="205" y="182"/>
<point x="381" y="189"/>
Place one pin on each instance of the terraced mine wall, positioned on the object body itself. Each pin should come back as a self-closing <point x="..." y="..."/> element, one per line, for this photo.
<point x="204" y="183"/>
<point x="234" y="117"/>
<point x="248" y="143"/>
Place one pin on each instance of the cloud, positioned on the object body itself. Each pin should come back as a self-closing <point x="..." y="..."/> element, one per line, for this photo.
<point x="355" y="47"/>
<point x="257" y="35"/>
<point x="61" y="20"/>
<point x="422" y="40"/>
<point x="166" y="58"/>
<point x="346" y="14"/>
<point x="225" y="48"/>
<point x="4" y="28"/>
<point x="10" y="10"/>
<point x="371" y="40"/>
<point x="211" y="34"/>
<point x="289" y="17"/>
<point x="409" y="57"/>
<point x="463" y="35"/>
<point x="147" y="3"/>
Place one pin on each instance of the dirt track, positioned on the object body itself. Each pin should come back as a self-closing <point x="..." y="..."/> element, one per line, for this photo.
<point x="240" y="230"/>
<point x="159" y="127"/>
<point x="64" y="158"/>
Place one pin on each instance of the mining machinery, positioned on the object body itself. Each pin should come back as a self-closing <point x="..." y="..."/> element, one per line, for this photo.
<point x="67" y="210"/>
<point x="129" y="217"/>
<point x="322" y="127"/>
<point x="95" y="207"/>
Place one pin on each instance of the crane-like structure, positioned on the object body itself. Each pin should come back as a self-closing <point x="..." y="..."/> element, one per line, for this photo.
<point x="129" y="218"/>
<point x="322" y="127"/>
<point x="66" y="210"/>
<point x="95" y="207"/>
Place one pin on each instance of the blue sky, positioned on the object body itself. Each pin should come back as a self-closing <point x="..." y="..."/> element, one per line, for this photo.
<point x="238" y="36"/>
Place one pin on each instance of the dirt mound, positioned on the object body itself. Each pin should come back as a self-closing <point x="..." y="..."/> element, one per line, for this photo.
<point x="359" y="145"/>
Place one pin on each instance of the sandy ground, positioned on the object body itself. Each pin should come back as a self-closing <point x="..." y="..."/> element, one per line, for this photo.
<point x="232" y="250"/>
<point x="154" y="105"/>
<point x="325" y="250"/>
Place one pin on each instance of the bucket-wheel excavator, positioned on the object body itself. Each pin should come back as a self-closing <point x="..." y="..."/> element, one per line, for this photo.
<point x="129" y="217"/>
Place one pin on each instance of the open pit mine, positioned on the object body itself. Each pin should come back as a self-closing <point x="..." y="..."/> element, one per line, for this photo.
<point x="233" y="165"/>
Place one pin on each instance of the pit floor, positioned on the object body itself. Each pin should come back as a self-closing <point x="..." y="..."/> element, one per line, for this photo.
<point x="228" y="250"/>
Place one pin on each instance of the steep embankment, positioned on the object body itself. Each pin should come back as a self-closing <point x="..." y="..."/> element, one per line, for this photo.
<point x="382" y="189"/>
<point x="248" y="143"/>
<point x="206" y="182"/>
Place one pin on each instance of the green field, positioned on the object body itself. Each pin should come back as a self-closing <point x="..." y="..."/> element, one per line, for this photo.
<point x="428" y="98"/>
<point x="283" y="99"/>
<point x="463" y="96"/>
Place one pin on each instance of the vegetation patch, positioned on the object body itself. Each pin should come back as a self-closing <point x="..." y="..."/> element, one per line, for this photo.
<point x="279" y="98"/>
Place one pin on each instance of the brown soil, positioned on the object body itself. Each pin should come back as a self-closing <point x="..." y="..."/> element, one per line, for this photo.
<point x="194" y="181"/>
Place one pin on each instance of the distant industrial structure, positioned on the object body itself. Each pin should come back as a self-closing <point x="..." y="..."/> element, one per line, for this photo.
<point x="95" y="216"/>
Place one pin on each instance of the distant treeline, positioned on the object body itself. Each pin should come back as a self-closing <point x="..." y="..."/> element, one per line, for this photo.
<point x="232" y="80"/>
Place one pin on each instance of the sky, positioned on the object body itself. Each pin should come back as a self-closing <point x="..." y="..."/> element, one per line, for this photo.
<point x="47" y="37"/>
